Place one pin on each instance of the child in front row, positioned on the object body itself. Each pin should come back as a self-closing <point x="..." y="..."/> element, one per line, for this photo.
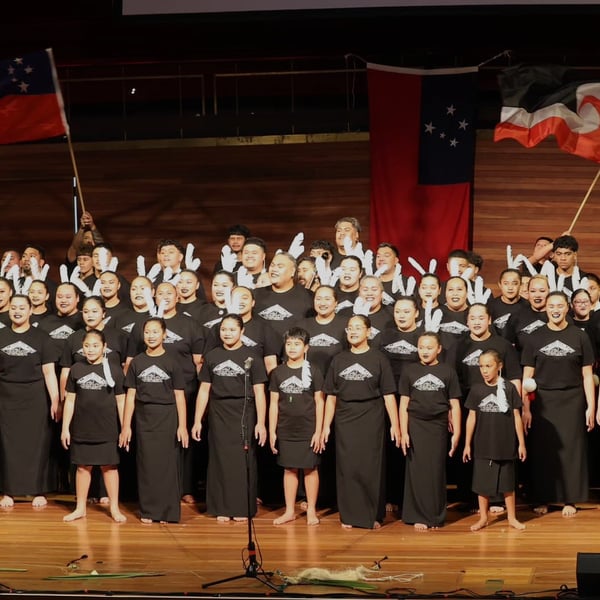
<point x="295" y="423"/>
<point x="495" y="429"/>
<point x="429" y="407"/>
<point x="93" y="413"/>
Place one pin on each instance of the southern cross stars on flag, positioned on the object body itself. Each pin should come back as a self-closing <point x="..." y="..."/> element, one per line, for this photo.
<point x="447" y="141"/>
<point x="31" y="106"/>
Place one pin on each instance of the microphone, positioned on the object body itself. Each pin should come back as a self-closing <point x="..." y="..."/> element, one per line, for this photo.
<point x="248" y="363"/>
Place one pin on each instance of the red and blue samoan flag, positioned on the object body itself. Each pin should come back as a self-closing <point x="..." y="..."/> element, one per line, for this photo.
<point x="31" y="105"/>
<point x="543" y="100"/>
<point x="422" y="125"/>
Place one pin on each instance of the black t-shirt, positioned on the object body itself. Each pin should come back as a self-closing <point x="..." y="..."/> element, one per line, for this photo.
<point x="155" y="378"/>
<point x="326" y="340"/>
<point x="558" y="357"/>
<point x="500" y="312"/>
<point x="95" y="418"/>
<point x="357" y="377"/>
<point x="296" y="419"/>
<point x="430" y="389"/>
<point x="495" y="435"/>
<point x="283" y="310"/>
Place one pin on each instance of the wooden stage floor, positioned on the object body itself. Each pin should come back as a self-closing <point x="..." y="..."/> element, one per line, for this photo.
<point x="36" y="546"/>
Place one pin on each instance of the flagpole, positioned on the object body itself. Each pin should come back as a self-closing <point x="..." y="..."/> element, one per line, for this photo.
<point x="75" y="216"/>
<point x="584" y="200"/>
<point x="72" y="154"/>
<point x="493" y="58"/>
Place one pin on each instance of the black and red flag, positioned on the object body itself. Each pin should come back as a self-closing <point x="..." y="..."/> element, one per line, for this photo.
<point x="543" y="100"/>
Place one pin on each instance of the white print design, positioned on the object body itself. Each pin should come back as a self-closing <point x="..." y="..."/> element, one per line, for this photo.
<point x="91" y="381"/>
<point x="323" y="341"/>
<point x="128" y="328"/>
<point x="172" y="338"/>
<point x="211" y="324"/>
<point x="491" y="404"/>
<point x="557" y="348"/>
<point x="355" y="372"/>
<point x="374" y="332"/>
<point x="228" y="368"/>
<point x="472" y="360"/>
<point x="342" y="305"/>
<point x="153" y="374"/>
<point x="429" y="383"/>
<point x="249" y="343"/>
<point x="292" y="385"/>
<point x="387" y="299"/>
<point x="61" y="333"/>
<point x="275" y="313"/>
<point x="18" y="349"/>
<point x="532" y="327"/>
<point x="500" y="322"/>
<point x="453" y="327"/>
<point x="400" y="347"/>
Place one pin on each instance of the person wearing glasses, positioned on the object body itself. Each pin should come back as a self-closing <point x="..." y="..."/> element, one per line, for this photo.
<point x="360" y="389"/>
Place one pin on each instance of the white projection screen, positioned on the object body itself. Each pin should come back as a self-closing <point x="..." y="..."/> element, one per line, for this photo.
<point x="174" y="7"/>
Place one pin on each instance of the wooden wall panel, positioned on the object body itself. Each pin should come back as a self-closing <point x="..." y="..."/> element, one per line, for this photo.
<point x="138" y="195"/>
<point x="192" y="194"/>
<point x="523" y="193"/>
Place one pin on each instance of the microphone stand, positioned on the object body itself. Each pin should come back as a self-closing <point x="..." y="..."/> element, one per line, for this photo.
<point x="253" y="568"/>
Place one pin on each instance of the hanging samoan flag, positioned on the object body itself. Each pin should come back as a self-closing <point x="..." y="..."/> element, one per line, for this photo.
<point x="31" y="104"/>
<point x="422" y="125"/>
<point x="543" y="100"/>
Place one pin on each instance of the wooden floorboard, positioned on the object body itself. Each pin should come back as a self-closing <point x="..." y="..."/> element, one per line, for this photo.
<point x="198" y="551"/>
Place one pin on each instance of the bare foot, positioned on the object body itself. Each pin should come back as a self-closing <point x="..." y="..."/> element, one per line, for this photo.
<point x="516" y="524"/>
<point x="541" y="510"/>
<point x="389" y="507"/>
<point x="117" y="515"/>
<point x="240" y="519"/>
<point x="76" y="514"/>
<point x="303" y="505"/>
<point x="346" y="526"/>
<point x="284" y="518"/>
<point x="104" y="500"/>
<point x="311" y="518"/>
<point x="146" y="520"/>
<point x="223" y="519"/>
<point x="496" y="510"/>
<point x="479" y="525"/>
<point x="7" y="502"/>
<point x="421" y="527"/>
<point x="569" y="510"/>
<point x="376" y="525"/>
<point x="39" y="502"/>
<point x="188" y="499"/>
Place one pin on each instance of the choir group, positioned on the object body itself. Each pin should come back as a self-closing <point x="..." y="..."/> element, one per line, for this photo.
<point x="326" y="363"/>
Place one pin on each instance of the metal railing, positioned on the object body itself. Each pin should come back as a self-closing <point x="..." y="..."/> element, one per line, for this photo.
<point x="171" y="101"/>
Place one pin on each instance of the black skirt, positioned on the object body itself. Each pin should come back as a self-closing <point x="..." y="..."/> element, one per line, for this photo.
<point x="296" y="455"/>
<point x="94" y="453"/>
<point x="493" y="477"/>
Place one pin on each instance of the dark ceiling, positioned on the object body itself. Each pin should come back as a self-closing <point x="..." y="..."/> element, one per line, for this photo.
<point x="94" y="32"/>
<point x="97" y="50"/>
